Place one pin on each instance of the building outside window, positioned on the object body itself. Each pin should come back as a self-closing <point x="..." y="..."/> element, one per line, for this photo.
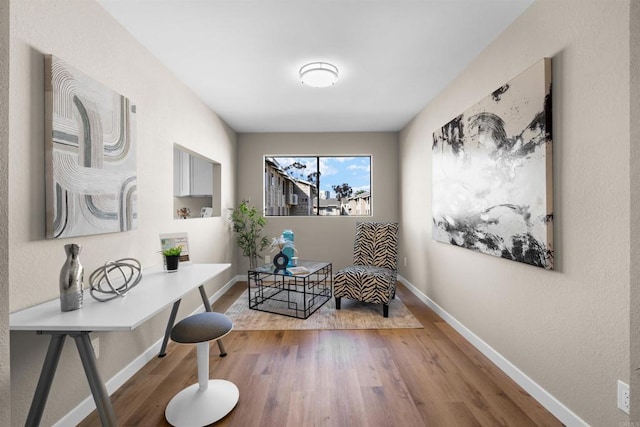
<point x="317" y="186"/>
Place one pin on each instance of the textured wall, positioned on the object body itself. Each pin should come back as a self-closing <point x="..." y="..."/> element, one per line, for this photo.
<point x="323" y="238"/>
<point x="83" y="34"/>
<point x="634" y="305"/>
<point x="5" y="403"/>
<point x="567" y="329"/>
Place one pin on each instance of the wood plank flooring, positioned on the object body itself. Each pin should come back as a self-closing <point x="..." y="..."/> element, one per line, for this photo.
<point x="368" y="378"/>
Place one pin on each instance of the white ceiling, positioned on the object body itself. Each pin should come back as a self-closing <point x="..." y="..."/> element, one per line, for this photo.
<point x="242" y="57"/>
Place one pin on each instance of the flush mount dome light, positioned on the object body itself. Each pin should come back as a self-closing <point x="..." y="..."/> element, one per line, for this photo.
<point x="318" y="74"/>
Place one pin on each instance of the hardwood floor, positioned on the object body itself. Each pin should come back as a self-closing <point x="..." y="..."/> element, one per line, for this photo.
<point x="400" y="377"/>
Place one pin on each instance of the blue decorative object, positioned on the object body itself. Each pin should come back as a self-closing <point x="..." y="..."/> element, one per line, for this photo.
<point x="290" y="249"/>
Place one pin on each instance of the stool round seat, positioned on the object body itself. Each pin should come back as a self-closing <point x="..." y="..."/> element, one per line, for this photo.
<point x="201" y="327"/>
<point x="209" y="400"/>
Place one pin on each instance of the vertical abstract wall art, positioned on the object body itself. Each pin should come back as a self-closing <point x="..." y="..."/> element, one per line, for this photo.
<point x="492" y="173"/>
<point x="90" y="151"/>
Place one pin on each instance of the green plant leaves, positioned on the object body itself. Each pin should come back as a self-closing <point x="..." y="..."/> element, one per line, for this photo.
<point x="248" y="223"/>
<point x="175" y="251"/>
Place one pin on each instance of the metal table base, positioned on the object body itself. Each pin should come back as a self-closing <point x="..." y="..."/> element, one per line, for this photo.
<point x="293" y="295"/>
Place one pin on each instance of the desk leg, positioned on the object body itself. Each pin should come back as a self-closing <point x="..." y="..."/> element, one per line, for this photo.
<point x="205" y="298"/>
<point x="167" y="332"/>
<point x="98" y="389"/>
<point x="46" y="379"/>
<point x="207" y="307"/>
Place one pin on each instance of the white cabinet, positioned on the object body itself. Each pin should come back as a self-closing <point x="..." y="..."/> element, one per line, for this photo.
<point x="201" y="177"/>
<point x="193" y="176"/>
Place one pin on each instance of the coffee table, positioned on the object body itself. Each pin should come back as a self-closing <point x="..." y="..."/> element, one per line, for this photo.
<point x="295" y="295"/>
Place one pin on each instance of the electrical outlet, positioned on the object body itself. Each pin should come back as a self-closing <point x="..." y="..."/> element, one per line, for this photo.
<point x="267" y="259"/>
<point x="624" y="397"/>
<point x="96" y="346"/>
<point x="405" y="261"/>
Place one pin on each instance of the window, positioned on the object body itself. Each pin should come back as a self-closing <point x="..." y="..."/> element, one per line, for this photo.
<point x="317" y="185"/>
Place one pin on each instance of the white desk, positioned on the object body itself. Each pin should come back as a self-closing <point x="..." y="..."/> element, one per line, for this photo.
<point x="156" y="290"/>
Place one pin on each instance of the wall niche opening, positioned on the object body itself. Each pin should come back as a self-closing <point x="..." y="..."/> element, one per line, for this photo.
<point x="196" y="185"/>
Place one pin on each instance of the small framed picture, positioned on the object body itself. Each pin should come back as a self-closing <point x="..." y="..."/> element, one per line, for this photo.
<point x="170" y="240"/>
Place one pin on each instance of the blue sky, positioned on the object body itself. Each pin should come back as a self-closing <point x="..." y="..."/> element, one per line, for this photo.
<point x="355" y="171"/>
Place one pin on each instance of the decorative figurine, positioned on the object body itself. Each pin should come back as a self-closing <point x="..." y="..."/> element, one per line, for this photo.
<point x="71" y="276"/>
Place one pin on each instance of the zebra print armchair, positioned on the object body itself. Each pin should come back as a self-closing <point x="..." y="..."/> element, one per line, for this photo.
<point x="373" y="275"/>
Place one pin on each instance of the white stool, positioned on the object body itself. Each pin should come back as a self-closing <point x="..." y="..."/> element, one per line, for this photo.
<point x="207" y="401"/>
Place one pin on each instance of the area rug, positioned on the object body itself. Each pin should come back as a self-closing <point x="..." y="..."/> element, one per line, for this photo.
<point x="352" y="315"/>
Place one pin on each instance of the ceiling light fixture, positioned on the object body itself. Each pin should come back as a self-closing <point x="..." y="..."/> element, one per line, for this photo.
<point x="318" y="74"/>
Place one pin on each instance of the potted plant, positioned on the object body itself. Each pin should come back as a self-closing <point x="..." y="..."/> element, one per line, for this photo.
<point x="248" y="223"/>
<point x="172" y="257"/>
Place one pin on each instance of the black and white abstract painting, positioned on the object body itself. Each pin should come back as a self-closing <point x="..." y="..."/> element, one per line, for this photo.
<point x="492" y="173"/>
<point x="90" y="150"/>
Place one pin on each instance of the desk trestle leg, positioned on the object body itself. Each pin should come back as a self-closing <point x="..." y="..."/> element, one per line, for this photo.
<point x="207" y="307"/>
<point x="46" y="379"/>
<point x="98" y="389"/>
<point x="167" y="332"/>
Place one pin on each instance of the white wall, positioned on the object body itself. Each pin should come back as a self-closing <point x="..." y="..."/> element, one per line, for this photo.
<point x="83" y="34"/>
<point x="321" y="238"/>
<point x="567" y="329"/>
<point x="5" y="403"/>
<point x="635" y="206"/>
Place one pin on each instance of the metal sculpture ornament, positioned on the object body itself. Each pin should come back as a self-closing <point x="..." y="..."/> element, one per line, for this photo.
<point x="105" y="288"/>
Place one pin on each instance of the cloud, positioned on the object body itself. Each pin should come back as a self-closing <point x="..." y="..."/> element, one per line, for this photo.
<point x="325" y="168"/>
<point x="365" y="168"/>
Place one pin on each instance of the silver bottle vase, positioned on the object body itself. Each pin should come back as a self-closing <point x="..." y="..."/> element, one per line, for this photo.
<point x="71" y="275"/>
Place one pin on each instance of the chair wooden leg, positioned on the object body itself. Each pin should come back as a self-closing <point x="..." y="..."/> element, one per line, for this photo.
<point x="337" y="303"/>
<point x="385" y="310"/>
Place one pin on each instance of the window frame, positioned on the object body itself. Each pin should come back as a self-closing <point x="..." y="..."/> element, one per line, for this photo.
<point x="268" y="211"/>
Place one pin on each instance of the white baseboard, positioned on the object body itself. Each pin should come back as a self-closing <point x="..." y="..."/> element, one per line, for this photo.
<point x="88" y="405"/>
<point x="553" y="405"/>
